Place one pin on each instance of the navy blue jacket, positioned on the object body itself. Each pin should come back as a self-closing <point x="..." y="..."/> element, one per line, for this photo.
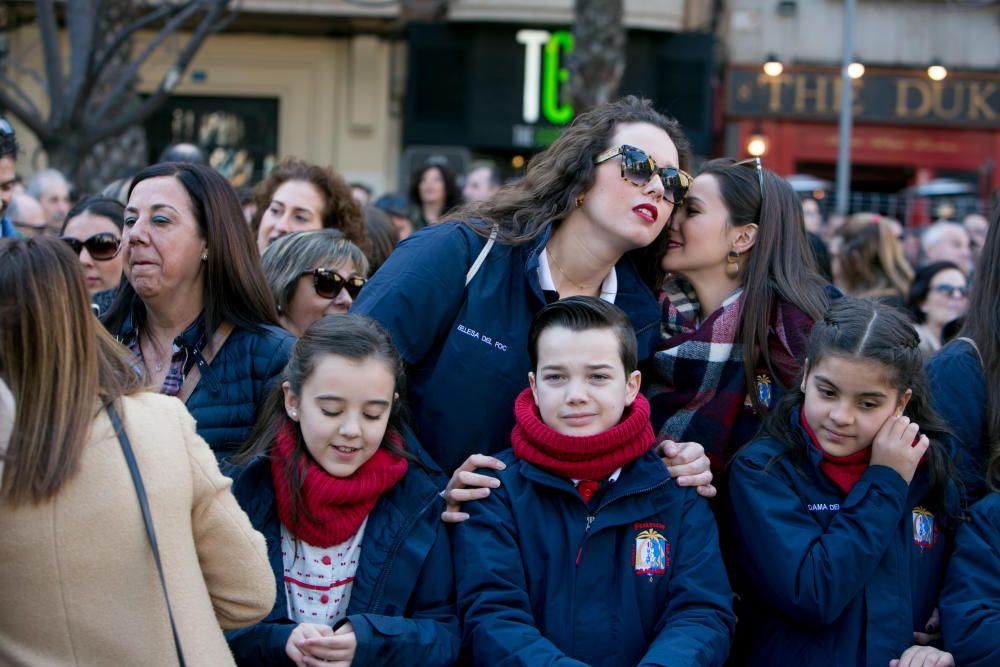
<point x="235" y="384"/>
<point x="958" y="393"/>
<point x="831" y="580"/>
<point x="970" y="601"/>
<point x="402" y="604"/>
<point x="467" y="348"/>
<point x="635" y="578"/>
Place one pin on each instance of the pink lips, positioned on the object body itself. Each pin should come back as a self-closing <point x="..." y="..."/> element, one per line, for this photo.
<point x="835" y="436"/>
<point x="578" y="419"/>
<point x="647" y="212"/>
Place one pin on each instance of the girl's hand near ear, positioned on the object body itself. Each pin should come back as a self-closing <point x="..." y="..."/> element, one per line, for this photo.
<point x="923" y="656"/>
<point x="899" y="445"/>
<point x="466" y="485"/>
<point x="687" y="463"/>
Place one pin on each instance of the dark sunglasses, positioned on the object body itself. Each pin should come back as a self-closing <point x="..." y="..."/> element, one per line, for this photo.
<point x="328" y="283"/>
<point x="961" y="291"/>
<point x="5" y="127"/>
<point x="102" y="247"/>
<point x="638" y="169"/>
<point x="755" y="162"/>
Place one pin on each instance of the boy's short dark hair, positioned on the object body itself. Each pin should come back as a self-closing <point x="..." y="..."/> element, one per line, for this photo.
<point x="580" y="313"/>
<point x="8" y="140"/>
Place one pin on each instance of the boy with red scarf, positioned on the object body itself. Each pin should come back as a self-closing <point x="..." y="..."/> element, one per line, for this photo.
<point x="587" y="552"/>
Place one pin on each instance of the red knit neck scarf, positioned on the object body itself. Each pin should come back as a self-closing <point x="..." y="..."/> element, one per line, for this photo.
<point x="334" y="507"/>
<point x="844" y="471"/>
<point x="580" y="457"/>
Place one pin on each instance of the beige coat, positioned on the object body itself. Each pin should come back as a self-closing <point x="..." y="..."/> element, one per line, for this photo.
<point x="78" y="584"/>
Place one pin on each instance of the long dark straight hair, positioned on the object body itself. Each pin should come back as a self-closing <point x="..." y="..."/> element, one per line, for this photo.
<point x="351" y="336"/>
<point x="779" y="266"/>
<point x="862" y="329"/>
<point x="235" y="289"/>
<point x="982" y="324"/>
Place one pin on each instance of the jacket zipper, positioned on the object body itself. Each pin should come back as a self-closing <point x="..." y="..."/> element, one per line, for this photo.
<point x="591" y="517"/>
<point x="390" y="559"/>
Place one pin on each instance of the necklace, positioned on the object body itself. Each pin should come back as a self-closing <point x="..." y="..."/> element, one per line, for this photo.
<point x="158" y="362"/>
<point x="559" y="268"/>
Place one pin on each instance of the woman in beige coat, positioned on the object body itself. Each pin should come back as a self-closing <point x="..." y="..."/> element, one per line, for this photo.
<point x="78" y="579"/>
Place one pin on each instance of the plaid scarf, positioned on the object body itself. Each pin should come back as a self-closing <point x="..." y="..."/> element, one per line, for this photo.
<point x="698" y="389"/>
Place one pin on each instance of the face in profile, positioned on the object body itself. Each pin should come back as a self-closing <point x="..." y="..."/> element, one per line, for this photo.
<point x="580" y="384"/>
<point x="296" y="206"/>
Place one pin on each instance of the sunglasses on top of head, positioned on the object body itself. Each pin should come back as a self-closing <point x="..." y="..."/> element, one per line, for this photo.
<point x="328" y="283"/>
<point x="638" y="169"/>
<point x="101" y="247"/>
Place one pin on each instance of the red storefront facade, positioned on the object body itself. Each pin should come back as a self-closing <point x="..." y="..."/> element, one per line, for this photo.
<point x="907" y="131"/>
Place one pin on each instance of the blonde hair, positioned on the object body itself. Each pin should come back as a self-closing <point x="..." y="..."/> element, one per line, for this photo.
<point x="58" y="362"/>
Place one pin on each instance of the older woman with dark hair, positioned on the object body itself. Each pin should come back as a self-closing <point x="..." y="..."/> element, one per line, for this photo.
<point x="312" y="274"/>
<point x="459" y="297"/>
<point x="939" y="295"/>
<point x="195" y="308"/>
<point x="298" y="196"/>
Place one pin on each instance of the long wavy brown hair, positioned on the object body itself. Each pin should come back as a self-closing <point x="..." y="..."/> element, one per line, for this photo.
<point x="340" y="210"/>
<point x="61" y="365"/>
<point x="562" y="172"/>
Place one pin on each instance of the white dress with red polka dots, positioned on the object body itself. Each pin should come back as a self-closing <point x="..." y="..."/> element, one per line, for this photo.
<point x="318" y="581"/>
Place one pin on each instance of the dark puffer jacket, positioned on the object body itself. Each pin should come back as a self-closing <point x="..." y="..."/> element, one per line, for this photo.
<point x="235" y="384"/>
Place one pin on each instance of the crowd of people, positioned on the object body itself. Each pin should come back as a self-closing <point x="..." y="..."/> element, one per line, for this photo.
<point x="607" y="413"/>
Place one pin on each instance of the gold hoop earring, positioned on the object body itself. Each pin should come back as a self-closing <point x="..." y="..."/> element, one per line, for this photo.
<point x="733" y="264"/>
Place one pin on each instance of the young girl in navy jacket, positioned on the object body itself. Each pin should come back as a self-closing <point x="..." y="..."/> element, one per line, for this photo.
<point x="350" y="515"/>
<point x="840" y="510"/>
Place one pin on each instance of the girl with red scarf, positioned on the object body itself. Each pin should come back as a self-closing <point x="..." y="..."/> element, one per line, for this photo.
<point x="350" y="514"/>
<point x="841" y="511"/>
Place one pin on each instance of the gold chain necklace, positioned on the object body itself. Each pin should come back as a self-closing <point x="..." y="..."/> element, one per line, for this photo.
<point x="578" y="285"/>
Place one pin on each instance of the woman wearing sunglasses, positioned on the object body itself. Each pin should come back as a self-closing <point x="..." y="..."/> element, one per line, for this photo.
<point x="939" y="295"/>
<point x="740" y="285"/>
<point x="195" y="308"/>
<point x="459" y="306"/>
<point x="93" y="229"/>
<point x="312" y="274"/>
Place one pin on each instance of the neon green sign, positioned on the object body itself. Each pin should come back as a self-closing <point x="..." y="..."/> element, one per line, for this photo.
<point x="547" y="76"/>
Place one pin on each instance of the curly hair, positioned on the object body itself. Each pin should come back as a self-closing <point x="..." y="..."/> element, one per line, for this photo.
<point x="563" y="171"/>
<point x="340" y="210"/>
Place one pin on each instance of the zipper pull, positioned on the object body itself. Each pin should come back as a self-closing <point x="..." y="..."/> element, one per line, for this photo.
<point x="590" y="520"/>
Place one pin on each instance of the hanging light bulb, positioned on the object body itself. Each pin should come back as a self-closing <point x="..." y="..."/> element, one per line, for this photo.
<point x="855" y="70"/>
<point x="757" y="144"/>
<point x="936" y="71"/>
<point x="773" y="66"/>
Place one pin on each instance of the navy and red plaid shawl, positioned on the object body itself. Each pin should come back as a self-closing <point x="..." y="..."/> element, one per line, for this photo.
<point x="698" y="390"/>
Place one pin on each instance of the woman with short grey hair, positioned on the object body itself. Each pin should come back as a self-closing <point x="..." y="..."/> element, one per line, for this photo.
<point x="312" y="274"/>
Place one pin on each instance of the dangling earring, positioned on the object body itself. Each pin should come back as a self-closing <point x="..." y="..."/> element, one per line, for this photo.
<point x="579" y="201"/>
<point x="733" y="264"/>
